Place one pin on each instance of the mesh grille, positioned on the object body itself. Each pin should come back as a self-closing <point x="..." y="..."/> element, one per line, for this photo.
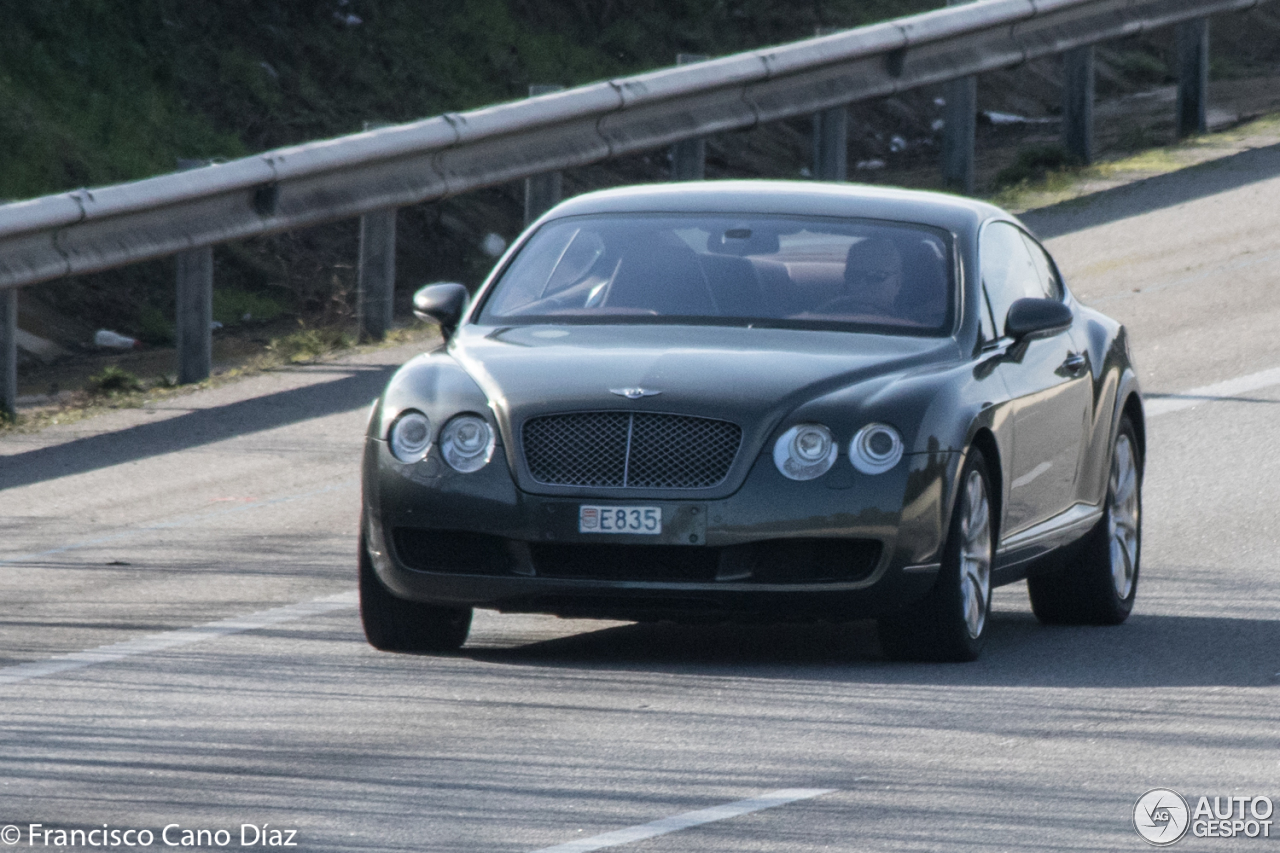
<point x="672" y="452"/>
<point x="666" y="451"/>
<point x="578" y="450"/>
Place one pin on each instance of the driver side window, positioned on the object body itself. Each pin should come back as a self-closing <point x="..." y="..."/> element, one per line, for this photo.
<point x="1009" y="272"/>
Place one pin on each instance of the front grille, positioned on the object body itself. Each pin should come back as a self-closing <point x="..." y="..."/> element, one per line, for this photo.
<point x="630" y="450"/>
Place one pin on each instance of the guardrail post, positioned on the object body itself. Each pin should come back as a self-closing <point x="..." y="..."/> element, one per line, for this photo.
<point x="830" y="136"/>
<point x="542" y="192"/>
<point x="376" y="272"/>
<point x="376" y="277"/>
<point x="960" y="117"/>
<point x="193" y="326"/>
<point x="831" y="144"/>
<point x="689" y="158"/>
<point x="1077" y="102"/>
<point x="194" y="333"/>
<point x="959" y="124"/>
<point x="1193" y="76"/>
<point x="9" y="352"/>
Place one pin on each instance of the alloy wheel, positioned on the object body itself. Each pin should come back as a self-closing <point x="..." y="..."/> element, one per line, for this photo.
<point x="1124" y="518"/>
<point x="975" y="554"/>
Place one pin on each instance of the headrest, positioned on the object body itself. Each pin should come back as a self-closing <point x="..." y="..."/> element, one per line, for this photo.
<point x="743" y="240"/>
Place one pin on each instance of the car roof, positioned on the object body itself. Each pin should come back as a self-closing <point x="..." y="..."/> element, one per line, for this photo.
<point x="810" y="198"/>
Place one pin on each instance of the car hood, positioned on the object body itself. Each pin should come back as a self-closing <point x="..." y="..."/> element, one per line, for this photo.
<point x="750" y="376"/>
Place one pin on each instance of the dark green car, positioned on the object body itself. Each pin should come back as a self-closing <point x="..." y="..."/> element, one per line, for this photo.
<point x="758" y="401"/>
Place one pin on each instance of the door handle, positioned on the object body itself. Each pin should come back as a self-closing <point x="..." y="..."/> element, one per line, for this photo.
<point x="1075" y="363"/>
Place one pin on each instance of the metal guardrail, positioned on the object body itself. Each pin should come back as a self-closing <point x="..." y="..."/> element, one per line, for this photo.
<point x="90" y="230"/>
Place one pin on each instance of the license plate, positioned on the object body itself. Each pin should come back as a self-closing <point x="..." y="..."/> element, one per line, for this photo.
<point x="620" y="519"/>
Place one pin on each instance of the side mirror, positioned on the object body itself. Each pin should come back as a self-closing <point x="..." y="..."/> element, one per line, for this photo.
<point x="1036" y="318"/>
<point x="441" y="303"/>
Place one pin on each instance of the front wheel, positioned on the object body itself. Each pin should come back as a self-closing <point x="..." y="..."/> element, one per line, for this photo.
<point x="1099" y="584"/>
<point x="393" y="624"/>
<point x="950" y="624"/>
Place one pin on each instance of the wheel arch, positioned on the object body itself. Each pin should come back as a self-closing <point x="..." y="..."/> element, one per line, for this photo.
<point x="985" y="441"/>
<point x="1133" y="408"/>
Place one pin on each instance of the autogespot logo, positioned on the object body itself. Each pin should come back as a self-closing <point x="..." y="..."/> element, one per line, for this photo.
<point x="1161" y="816"/>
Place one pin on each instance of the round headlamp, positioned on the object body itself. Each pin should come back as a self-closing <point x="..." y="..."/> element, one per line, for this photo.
<point x="805" y="451"/>
<point x="875" y="449"/>
<point x="466" y="443"/>
<point x="410" y="436"/>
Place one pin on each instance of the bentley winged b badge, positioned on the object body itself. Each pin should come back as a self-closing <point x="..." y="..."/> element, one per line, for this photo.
<point x="633" y="393"/>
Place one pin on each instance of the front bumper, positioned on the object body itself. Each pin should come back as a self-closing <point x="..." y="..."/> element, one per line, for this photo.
<point x="844" y="546"/>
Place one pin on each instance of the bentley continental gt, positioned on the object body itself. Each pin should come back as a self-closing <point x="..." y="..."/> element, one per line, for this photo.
<point x="758" y="401"/>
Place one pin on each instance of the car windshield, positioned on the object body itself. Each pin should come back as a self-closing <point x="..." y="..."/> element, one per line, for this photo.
<point x="804" y="272"/>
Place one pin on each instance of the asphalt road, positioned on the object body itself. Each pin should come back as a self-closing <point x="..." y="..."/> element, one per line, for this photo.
<point x="234" y="510"/>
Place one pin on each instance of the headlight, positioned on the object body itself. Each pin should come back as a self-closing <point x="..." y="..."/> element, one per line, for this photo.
<point x="410" y="436"/>
<point x="805" y="451"/>
<point x="875" y="449"/>
<point x="467" y="443"/>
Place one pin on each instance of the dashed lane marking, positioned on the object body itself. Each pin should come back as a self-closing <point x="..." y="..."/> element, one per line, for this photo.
<point x="1225" y="390"/>
<point x="172" y="639"/>
<point x="687" y="820"/>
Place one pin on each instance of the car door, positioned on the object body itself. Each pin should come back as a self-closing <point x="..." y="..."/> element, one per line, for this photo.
<point x="1047" y="379"/>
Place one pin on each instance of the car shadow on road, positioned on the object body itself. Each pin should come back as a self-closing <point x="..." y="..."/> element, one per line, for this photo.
<point x="1146" y="651"/>
<point x="1156" y="193"/>
<point x="203" y="426"/>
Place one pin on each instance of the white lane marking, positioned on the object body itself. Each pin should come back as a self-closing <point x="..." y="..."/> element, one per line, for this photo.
<point x="1216" y="391"/>
<point x="687" y="820"/>
<point x="171" y="639"/>
<point x="181" y="521"/>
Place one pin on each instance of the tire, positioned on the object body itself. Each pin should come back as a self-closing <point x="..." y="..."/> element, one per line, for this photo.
<point x="1099" y="581"/>
<point x="950" y="623"/>
<point x="392" y="624"/>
